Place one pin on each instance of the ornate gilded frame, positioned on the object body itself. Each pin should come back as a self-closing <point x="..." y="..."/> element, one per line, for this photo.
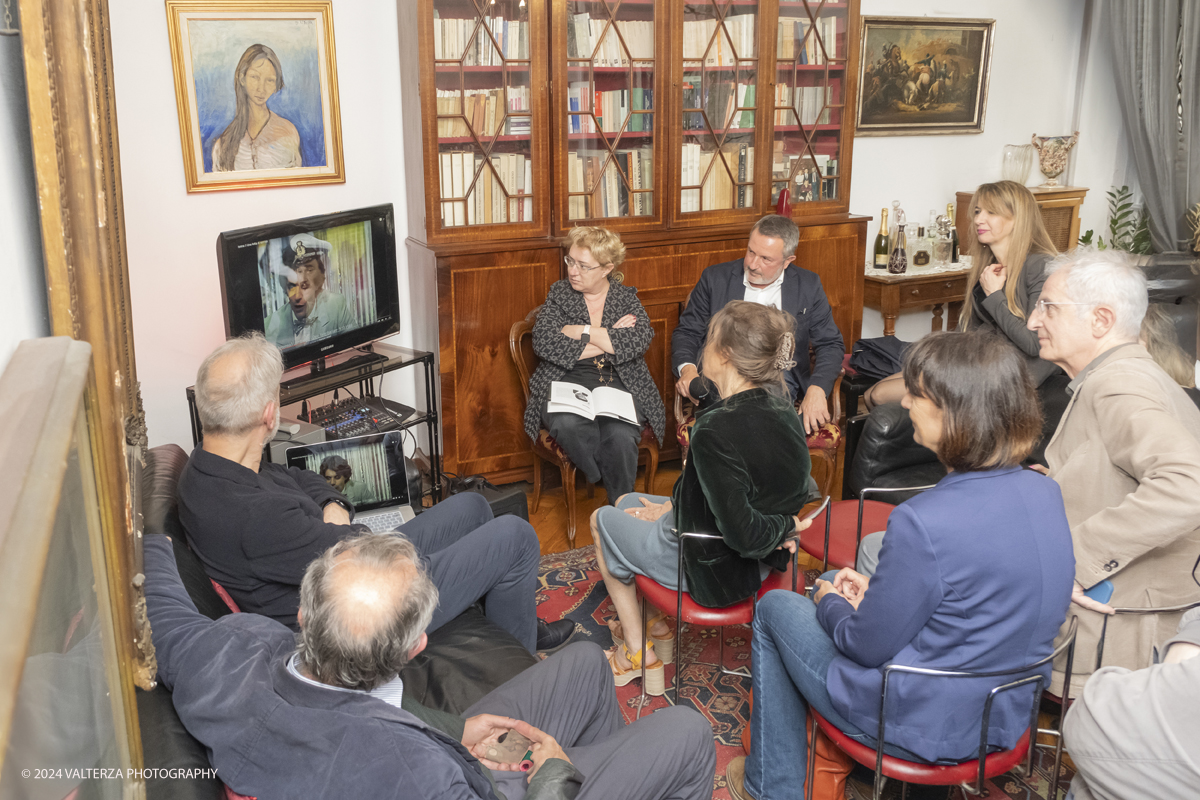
<point x="72" y="111"/>
<point x="179" y="12"/>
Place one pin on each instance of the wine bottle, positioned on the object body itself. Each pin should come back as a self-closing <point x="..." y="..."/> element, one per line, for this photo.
<point x="953" y="234"/>
<point x="881" y="242"/>
<point x="919" y="248"/>
<point x="898" y="259"/>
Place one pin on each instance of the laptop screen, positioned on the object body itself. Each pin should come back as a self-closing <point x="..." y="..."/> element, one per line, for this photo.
<point x="369" y="469"/>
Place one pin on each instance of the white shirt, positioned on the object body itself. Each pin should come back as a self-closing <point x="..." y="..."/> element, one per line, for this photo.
<point x="391" y="692"/>
<point x="770" y="295"/>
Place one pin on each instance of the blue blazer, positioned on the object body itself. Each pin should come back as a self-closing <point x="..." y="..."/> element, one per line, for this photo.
<point x="975" y="574"/>
<point x="801" y="296"/>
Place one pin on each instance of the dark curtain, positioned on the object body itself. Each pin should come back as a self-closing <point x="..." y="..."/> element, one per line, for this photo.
<point x="1157" y="64"/>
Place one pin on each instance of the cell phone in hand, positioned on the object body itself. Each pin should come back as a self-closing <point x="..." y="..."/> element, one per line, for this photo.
<point x="1102" y="592"/>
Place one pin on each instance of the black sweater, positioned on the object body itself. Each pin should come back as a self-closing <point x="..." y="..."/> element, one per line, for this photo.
<point x="256" y="533"/>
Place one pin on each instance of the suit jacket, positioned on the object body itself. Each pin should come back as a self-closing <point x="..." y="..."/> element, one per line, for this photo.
<point x="991" y="313"/>
<point x="746" y="475"/>
<point x="801" y="296"/>
<point x="272" y="735"/>
<point x="558" y="353"/>
<point x="1127" y="455"/>
<point x="974" y="574"/>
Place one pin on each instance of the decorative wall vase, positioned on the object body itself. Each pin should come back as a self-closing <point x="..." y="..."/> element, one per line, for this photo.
<point x="1018" y="160"/>
<point x="1052" y="155"/>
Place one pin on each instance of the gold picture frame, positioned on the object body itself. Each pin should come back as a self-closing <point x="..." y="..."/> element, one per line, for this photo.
<point x="923" y="75"/>
<point x="256" y="93"/>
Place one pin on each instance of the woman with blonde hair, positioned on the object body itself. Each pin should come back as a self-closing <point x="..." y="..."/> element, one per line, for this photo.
<point x="1162" y="343"/>
<point x="1009" y="248"/>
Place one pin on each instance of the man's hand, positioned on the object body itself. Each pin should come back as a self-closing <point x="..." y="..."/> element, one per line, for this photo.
<point x="686" y="375"/>
<point x="481" y="732"/>
<point x="649" y="511"/>
<point x="1083" y="601"/>
<point x="544" y="747"/>
<point x="992" y="279"/>
<point x="851" y="585"/>
<point x="334" y="513"/>
<point x="627" y="321"/>
<point x="815" y="409"/>
<point x="1039" y="468"/>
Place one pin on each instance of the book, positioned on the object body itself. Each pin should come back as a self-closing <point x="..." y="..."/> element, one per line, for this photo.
<point x="604" y="401"/>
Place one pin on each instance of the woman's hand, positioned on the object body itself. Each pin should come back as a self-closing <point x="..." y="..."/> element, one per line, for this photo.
<point x="822" y="588"/>
<point x="790" y="544"/>
<point x="992" y="278"/>
<point x="851" y="585"/>
<point x="650" y="511"/>
<point x="627" y="321"/>
<point x="801" y="524"/>
<point x="572" y="331"/>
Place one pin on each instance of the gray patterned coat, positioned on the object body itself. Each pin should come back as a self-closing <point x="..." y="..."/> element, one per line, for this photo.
<point x="558" y="353"/>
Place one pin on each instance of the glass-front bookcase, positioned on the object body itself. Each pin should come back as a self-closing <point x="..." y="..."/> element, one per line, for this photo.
<point x="488" y="66"/>
<point x="811" y="56"/>
<point x="605" y="112"/>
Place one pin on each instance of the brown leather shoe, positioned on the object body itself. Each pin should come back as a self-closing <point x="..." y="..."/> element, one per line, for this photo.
<point x="735" y="779"/>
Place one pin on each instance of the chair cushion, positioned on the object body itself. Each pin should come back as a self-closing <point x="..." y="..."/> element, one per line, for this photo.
<point x="546" y="441"/>
<point x="827" y="437"/>
<point x="741" y="613"/>
<point x="843" y="527"/>
<point x="885" y="446"/>
<point x="966" y="772"/>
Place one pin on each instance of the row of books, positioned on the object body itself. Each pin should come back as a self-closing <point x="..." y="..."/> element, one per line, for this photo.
<point x="719" y="102"/>
<point x="795" y="43"/>
<point x="584" y="34"/>
<point x="729" y="181"/>
<point x="451" y="40"/>
<point x="483" y="110"/>
<point x="610" y="109"/>
<point x="810" y="103"/>
<point x="610" y="187"/>
<point x="737" y="40"/>
<point x="486" y="202"/>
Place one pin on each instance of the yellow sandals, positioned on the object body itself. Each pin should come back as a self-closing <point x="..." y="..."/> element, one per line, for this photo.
<point x="664" y="648"/>
<point x="656" y="680"/>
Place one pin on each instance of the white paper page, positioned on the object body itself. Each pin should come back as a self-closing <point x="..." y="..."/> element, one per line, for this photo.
<point x="571" y="398"/>
<point x="614" y="403"/>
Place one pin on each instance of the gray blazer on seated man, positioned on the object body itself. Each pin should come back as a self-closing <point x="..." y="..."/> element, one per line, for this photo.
<point x="325" y="714"/>
<point x="1126" y="454"/>
<point x="766" y="275"/>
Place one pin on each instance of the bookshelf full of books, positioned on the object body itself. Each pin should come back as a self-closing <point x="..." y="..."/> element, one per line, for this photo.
<point x="605" y="115"/>
<point x="487" y="148"/>
<point x="812" y="53"/>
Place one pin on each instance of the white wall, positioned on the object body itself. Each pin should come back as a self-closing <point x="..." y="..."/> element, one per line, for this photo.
<point x="25" y="315"/>
<point x="1035" y="72"/>
<point x="172" y="235"/>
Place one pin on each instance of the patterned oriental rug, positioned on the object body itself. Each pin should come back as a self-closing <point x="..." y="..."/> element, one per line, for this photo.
<point x="570" y="588"/>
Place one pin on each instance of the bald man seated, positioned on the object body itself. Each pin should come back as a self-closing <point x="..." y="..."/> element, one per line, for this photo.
<point x="325" y="714"/>
<point x="257" y="526"/>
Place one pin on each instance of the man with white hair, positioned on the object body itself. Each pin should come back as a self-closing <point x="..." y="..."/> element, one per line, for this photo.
<point x="1126" y="455"/>
<point x="325" y="714"/>
<point x="256" y="526"/>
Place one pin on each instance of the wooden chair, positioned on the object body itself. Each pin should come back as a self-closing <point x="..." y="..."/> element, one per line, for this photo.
<point x="520" y="344"/>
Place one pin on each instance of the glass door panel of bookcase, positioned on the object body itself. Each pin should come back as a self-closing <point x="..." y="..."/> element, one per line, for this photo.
<point x="812" y="53"/>
<point x="610" y="108"/>
<point x="720" y="70"/>
<point x="482" y="67"/>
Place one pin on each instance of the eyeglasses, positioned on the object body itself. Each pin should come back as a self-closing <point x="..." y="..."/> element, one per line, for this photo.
<point x="572" y="264"/>
<point x="1046" y="307"/>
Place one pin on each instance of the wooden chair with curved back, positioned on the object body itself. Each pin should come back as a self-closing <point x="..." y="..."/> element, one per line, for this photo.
<point x="520" y="344"/>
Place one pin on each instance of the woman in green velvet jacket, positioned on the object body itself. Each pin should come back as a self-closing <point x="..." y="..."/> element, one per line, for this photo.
<point x="746" y="477"/>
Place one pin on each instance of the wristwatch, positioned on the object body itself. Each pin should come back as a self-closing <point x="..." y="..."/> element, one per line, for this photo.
<point x="586" y="336"/>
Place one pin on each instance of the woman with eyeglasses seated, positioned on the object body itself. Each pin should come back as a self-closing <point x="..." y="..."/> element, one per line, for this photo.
<point x="592" y="331"/>
<point x="975" y="574"/>
<point x="1009" y="248"/>
<point x="745" y="478"/>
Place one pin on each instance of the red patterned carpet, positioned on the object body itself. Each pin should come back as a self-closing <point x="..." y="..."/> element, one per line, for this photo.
<point x="570" y="587"/>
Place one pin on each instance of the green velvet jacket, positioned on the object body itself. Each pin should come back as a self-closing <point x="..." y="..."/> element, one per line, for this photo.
<point x="746" y="475"/>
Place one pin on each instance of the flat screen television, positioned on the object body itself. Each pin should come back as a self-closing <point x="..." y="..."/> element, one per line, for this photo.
<point x="315" y="286"/>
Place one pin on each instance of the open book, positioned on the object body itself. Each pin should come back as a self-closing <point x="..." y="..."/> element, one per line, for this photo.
<point x="600" y="402"/>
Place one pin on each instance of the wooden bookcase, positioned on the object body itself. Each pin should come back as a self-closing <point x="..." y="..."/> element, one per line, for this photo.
<point x="650" y="117"/>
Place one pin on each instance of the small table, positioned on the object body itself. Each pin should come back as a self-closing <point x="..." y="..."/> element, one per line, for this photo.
<point x="890" y="294"/>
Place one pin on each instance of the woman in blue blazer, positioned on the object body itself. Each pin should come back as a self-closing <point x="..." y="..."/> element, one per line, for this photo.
<point x="975" y="574"/>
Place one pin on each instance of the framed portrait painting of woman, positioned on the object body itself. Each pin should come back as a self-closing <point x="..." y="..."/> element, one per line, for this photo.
<point x="256" y="90"/>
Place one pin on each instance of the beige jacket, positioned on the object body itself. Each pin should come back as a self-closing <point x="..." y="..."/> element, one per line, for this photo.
<point x="1127" y="457"/>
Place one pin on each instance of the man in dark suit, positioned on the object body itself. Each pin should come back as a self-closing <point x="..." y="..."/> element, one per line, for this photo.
<point x="767" y="276"/>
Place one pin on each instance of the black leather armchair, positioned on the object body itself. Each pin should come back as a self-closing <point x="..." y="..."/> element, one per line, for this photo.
<point x="881" y="452"/>
<point x="465" y="659"/>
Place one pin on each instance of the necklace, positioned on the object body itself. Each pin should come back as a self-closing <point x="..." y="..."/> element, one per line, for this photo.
<point x="601" y="362"/>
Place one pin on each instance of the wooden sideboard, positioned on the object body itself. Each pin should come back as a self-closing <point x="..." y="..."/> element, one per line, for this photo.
<point x="1060" y="212"/>
<point x="891" y="294"/>
<point x="484" y="289"/>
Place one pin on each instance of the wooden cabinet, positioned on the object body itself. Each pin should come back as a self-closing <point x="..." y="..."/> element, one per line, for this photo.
<point x="675" y="123"/>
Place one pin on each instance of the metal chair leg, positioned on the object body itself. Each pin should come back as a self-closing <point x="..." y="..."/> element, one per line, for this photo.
<point x="645" y="636"/>
<point x="812" y="758"/>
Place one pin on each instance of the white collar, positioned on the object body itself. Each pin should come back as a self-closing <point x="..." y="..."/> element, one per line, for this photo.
<point x="391" y="692"/>
<point x="777" y="282"/>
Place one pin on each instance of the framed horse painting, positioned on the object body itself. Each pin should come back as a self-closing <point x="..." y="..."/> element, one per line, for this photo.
<point x="921" y="75"/>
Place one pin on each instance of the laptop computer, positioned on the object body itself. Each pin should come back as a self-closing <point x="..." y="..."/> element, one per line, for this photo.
<point x="369" y="470"/>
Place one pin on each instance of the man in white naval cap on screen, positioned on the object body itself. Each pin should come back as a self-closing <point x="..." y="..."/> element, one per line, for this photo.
<point x="312" y="311"/>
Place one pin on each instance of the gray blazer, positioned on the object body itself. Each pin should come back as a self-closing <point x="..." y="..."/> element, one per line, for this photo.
<point x="991" y="313"/>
